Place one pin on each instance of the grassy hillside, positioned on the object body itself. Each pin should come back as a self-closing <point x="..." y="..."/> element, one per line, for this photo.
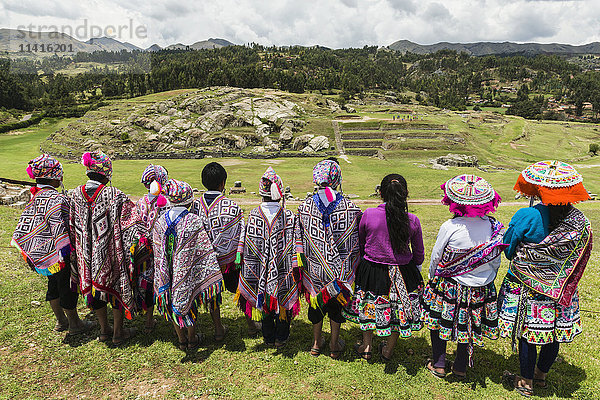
<point x="501" y="141"/>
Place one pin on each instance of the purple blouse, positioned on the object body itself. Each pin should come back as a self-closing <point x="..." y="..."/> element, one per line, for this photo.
<point x="375" y="244"/>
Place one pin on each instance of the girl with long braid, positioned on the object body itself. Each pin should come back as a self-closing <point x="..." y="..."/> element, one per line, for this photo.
<point x="386" y="301"/>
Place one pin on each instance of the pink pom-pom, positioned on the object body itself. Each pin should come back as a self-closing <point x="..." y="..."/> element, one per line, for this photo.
<point x="161" y="201"/>
<point x="86" y="159"/>
<point x="329" y="194"/>
<point x="30" y="172"/>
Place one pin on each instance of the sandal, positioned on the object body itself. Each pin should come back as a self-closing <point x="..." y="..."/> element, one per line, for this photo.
<point x="221" y="337"/>
<point x="337" y="354"/>
<point x="510" y="379"/>
<point x="457" y="374"/>
<point x="382" y="345"/>
<point x="128" y="333"/>
<point x="85" y="326"/>
<point x="431" y="369"/>
<point x="365" y="355"/>
<point x="104" y="337"/>
<point x="61" y="327"/>
<point x="541" y="383"/>
<point x="195" y="344"/>
<point x="316" y="351"/>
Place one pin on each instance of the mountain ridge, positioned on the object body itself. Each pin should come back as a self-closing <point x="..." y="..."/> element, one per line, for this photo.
<point x="496" y="48"/>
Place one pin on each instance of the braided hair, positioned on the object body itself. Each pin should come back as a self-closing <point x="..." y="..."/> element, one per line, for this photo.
<point x="394" y="192"/>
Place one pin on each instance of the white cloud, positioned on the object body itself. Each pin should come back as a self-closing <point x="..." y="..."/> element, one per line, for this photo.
<point x="332" y="23"/>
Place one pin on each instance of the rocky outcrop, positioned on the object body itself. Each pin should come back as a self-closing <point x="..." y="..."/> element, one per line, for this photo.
<point x="316" y="144"/>
<point x="211" y="119"/>
<point x="302" y="141"/>
<point x="456" y="160"/>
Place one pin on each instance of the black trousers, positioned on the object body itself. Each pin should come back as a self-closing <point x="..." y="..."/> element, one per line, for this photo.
<point x="59" y="287"/>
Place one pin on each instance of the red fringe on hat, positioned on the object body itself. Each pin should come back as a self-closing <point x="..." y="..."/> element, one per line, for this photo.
<point x="552" y="196"/>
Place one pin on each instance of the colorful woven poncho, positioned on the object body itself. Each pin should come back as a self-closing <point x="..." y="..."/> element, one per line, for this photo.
<point x="186" y="271"/>
<point x="104" y="227"/>
<point x="329" y="255"/>
<point x="223" y="221"/>
<point x="42" y="233"/>
<point x="554" y="266"/>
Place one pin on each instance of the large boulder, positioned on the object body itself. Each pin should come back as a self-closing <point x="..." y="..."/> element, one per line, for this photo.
<point x="263" y="130"/>
<point x="316" y="144"/>
<point x="230" y="140"/>
<point x="457" y="160"/>
<point x="286" y="135"/>
<point x="163" y="120"/>
<point x="302" y="141"/>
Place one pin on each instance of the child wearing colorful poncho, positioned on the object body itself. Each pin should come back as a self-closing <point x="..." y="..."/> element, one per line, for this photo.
<point x="104" y="225"/>
<point x="388" y="282"/>
<point x="549" y="246"/>
<point x="267" y="282"/>
<point x="42" y="237"/>
<point x="328" y="252"/>
<point x="149" y="207"/>
<point x="224" y="223"/>
<point x="186" y="271"/>
<point x="459" y="302"/>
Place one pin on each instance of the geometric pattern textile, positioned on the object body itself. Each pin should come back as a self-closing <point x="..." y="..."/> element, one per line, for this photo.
<point x="189" y="276"/>
<point x="554" y="266"/>
<point x="103" y="229"/>
<point x="267" y="276"/>
<point x="331" y="253"/>
<point x="42" y="233"/>
<point x="224" y="223"/>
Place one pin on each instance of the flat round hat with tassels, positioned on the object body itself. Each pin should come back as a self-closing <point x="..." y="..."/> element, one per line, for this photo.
<point x="470" y="196"/>
<point x="554" y="182"/>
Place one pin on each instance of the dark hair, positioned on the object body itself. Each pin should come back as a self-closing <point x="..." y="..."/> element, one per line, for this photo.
<point x="557" y="215"/>
<point x="96" y="176"/>
<point x="46" y="181"/>
<point x="394" y="192"/>
<point x="334" y="159"/>
<point x="213" y="175"/>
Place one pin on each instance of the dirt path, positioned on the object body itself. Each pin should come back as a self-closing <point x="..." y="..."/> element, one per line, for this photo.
<point x="338" y="137"/>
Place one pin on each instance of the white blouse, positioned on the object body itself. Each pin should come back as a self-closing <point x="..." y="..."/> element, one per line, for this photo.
<point x="465" y="233"/>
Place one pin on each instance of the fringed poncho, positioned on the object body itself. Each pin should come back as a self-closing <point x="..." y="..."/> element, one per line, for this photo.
<point x="186" y="271"/>
<point x="267" y="278"/>
<point x="42" y="233"/>
<point x="104" y="227"/>
<point x="329" y="254"/>
<point x="223" y="221"/>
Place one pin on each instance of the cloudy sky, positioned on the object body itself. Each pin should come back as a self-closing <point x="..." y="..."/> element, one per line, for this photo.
<point x="332" y="23"/>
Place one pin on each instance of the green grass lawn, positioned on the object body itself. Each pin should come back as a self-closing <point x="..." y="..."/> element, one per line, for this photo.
<point x="38" y="363"/>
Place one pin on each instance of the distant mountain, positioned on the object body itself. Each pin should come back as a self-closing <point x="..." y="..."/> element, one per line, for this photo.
<point x="211" y="44"/>
<point x="50" y="43"/>
<point x="488" y="48"/>
<point x="15" y="41"/>
<point x="109" y="44"/>
<point x="201" y="45"/>
<point x="154" y="47"/>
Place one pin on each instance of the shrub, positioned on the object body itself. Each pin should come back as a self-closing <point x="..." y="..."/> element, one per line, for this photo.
<point x="594" y="147"/>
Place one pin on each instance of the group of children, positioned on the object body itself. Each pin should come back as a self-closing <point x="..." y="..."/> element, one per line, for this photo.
<point x="178" y="254"/>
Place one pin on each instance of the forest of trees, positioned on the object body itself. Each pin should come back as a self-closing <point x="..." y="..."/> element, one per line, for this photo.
<point x="443" y="79"/>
